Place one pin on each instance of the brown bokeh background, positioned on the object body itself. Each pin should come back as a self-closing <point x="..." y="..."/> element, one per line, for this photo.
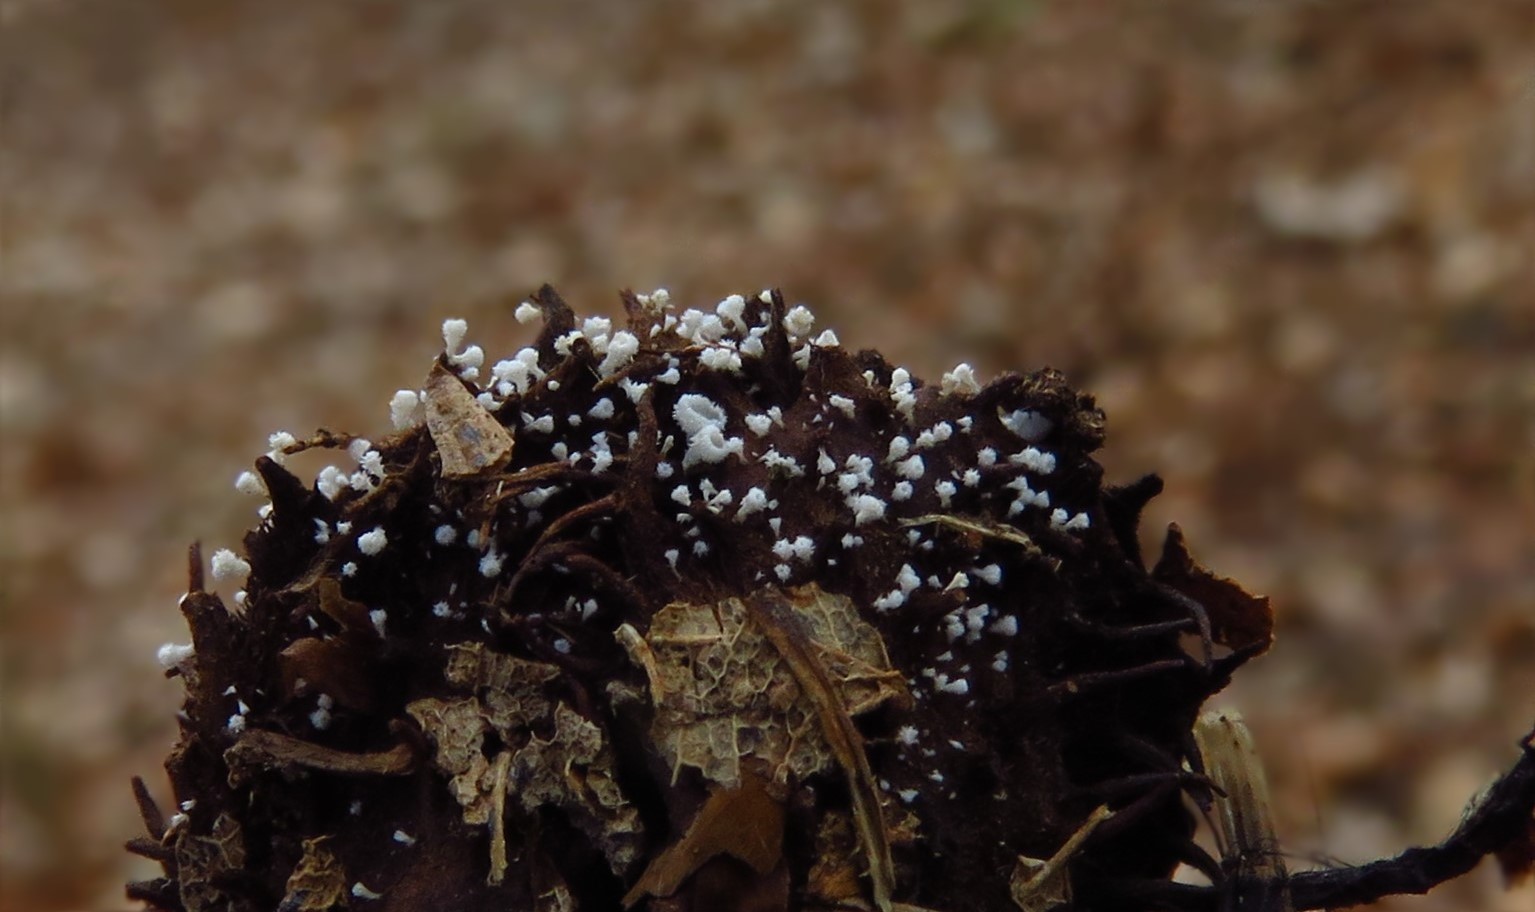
<point x="1290" y="245"/>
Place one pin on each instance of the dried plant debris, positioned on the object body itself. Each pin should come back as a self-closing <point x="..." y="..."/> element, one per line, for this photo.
<point x="702" y="611"/>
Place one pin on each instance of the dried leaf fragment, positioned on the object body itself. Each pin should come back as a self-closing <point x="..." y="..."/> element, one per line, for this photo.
<point x="318" y="882"/>
<point x="468" y="438"/>
<point x="205" y="863"/>
<point x="744" y="822"/>
<point x="574" y="771"/>
<point x="723" y="691"/>
<point x="1238" y="619"/>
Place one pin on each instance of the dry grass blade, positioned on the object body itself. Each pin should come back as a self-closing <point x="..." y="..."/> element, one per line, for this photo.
<point x="773" y="615"/>
<point x="1243" y="819"/>
<point x="1039" y="885"/>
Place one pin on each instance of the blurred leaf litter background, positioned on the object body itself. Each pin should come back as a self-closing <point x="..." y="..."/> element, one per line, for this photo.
<point x="1288" y="245"/>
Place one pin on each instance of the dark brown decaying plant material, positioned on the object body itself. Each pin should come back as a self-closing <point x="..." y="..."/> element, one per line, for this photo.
<point x="704" y="613"/>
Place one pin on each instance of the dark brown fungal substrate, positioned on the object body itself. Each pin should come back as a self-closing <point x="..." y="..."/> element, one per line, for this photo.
<point x="458" y="713"/>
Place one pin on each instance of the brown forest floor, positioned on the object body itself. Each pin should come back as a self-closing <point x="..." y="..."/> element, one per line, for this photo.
<point x="1288" y="245"/>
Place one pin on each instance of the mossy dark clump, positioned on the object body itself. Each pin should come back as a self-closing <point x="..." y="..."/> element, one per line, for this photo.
<point x="704" y="613"/>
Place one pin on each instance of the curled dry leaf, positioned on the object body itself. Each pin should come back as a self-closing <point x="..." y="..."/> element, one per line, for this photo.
<point x="467" y="437"/>
<point x="1239" y="620"/>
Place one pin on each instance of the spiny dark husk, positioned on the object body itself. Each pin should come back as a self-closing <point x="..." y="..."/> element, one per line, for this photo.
<point x="506" y="724"/>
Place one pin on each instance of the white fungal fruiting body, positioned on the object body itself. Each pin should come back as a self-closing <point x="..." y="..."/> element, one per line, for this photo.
<point x="250" y="483"/>
<point x="172" y="655"/>
<point x="1029" y="425"/>
<point x="279" y="443"/>
<point x="911" y="468"/>
<point x="527" y="312"/>
<point x="703" y="420"/>
<point x="227" y="565"/>
<point x="799" y="321"/>
<point x="453" y="333"/>
<point x="1034" y="460"/>
<point x="406" y="410"/>
<point x="445" y="535"/>
<point x="755" y="500"/>
<point x="960" y="381"/>
<point x="490" y="564"/>
<point x="621" y="351"/>
<point x="866" y="508"/>
<point x="371" y="543"/>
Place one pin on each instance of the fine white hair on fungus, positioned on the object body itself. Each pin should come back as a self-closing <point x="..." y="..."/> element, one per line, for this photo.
<point x="227" y="565"/>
